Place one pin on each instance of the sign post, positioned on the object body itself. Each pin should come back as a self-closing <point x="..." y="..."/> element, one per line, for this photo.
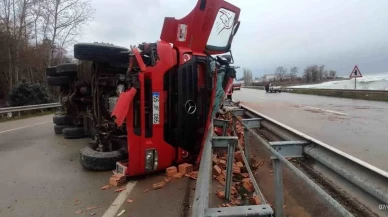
<point x="355" y="74"/>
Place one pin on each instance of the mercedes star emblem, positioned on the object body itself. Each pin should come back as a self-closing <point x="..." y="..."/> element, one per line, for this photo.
<point x="190" y="107"/>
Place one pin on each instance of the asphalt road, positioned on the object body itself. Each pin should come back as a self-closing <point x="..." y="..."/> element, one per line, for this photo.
<point x="357" y="127"/>
<point x="40" y="176"/>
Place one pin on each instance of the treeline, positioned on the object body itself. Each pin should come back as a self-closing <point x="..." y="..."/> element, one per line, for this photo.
<point x="311" y="74"/>
<point x="35" y="34"/>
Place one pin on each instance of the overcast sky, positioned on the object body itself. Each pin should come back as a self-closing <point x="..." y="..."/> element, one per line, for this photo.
<point x="338" y="34"/>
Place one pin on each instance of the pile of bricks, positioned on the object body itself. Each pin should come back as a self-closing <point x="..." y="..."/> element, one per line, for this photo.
<point x="173" y="172"/>
<point x="242" y="187"/>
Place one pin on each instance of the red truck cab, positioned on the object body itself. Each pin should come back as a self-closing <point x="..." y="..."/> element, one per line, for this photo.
<point x="169" y="104"/>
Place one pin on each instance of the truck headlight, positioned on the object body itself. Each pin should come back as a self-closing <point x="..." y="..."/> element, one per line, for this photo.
<point x="151" y="159"/>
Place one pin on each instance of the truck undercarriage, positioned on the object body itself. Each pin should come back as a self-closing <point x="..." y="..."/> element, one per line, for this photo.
<point x="151" y="104"/>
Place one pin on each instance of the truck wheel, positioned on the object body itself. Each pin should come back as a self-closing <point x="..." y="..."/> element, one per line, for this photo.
<point x="58" y="129"/>
<point x="59" y="80"/>
<point x="101" y="53"/>
<point x="67" y="69"/>
<point x="280" y="91"/>
<point x="73" y="133"/>
<point x="95" y="160"/>
<point x="229" y="97"/>
<point x="63" y="119"/>
<point x="51" y="71"/>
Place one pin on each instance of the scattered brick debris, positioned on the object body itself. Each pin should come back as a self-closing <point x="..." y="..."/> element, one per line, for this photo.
<point x="238" y="156"/>
<point x="221" y="180"/>
<point x="91" y="208"/>
<point x="167" y="179"/>
<point x="147" y="190"/>
<point x="245" y="180"/>
<point x="245" y="175"/>
<point x="178" y="176"/>
<point x="222" y="163"/>
<point x="239" y="164"/>
<point x="105" y="187"/>
<point x="228" y="205"/>
<point x="236" y="170"/>
<point x="220" y="194"/>
<point x="255" y="200"/>
<point x="248" y="186"/>
<point x="171" y="171"/>
<point x="192" y="175"/>
<point x="79" y="211"/>
<point x="185" y="168"/>
<point x="92" y="214"/>
<point x="120" y="189"/>
<point x="223" y="174"/>
<point x="216" y="170"/>
<point x="158" y="185"/>
<point x="271" y="171"/>
<point x="77" y="202"/>
<point x="117" y="179"/>
<point x="129" y="201"/>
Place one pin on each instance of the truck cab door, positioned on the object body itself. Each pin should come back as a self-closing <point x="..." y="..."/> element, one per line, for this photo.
<point x="209" y="27"/>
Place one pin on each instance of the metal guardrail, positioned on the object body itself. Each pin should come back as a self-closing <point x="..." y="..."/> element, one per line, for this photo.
<point x="28" y="108"/>
<point x="296" y="145"/>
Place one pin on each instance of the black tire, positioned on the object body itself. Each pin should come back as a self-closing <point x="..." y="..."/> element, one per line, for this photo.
<point x="58" y="129"/>
<point x="229" y="97"/>
<point x="59" y="80"/>
<point x="51" y="71"/>
<point x="280" y="91"/>
<point x="101" y="161"/>
<point x="73" y="133"/>
<point x="67" y="69"/>
<point x="101" y="53"/>
<point x="63" y="120"/>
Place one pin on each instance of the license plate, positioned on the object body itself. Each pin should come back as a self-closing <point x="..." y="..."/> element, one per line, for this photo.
<point x="155" y="107"/>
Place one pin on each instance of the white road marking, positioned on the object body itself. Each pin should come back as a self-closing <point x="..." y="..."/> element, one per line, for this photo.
<point x="19" y="128"/>
<point x="335" y="112"/>
<point x="112" y="210"/>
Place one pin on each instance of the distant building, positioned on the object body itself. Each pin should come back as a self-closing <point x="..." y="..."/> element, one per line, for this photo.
<point x="268" y="77"/>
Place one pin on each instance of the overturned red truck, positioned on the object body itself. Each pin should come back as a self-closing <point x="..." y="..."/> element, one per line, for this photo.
<point x="174" y="88"/>
<point x="152" y="104"/>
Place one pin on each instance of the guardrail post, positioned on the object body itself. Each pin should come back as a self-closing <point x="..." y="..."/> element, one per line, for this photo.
<point x="279" y="197"/>
<point x="19" y="114"/>
<point x="252" y="123"/>
<point x="229" y="170"/>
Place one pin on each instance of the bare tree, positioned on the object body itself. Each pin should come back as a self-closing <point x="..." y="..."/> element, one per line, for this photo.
<point x="64" y="20"/>
<point x="280" y="72"/>
<point x="294" y="73"/>
<point x="325" y="74"/>
<point x="333" y="74"/>
<point x="247" y="76"/>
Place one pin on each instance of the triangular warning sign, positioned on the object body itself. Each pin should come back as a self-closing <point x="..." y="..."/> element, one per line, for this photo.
<point x="355" y="73"/>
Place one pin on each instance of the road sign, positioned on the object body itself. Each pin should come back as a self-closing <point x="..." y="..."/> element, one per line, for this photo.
<point x="355" y="73"/>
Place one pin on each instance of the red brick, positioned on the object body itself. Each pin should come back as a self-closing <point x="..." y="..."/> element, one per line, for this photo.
<point x="255" y="200"/>
<point x="248" y="186"/>
<point x="238" y="156"/>
<point x="178" y="175"/>
<point x="171" y="171"/>
<point x="216" y="170"/>
<point x="185" y="168"/>
<point x="239" y="164"/>
<point x="236" y="170"/>
<point x="158" y="185"/>
<point x="220" y="194"/>
<point x="245" y="175"/>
